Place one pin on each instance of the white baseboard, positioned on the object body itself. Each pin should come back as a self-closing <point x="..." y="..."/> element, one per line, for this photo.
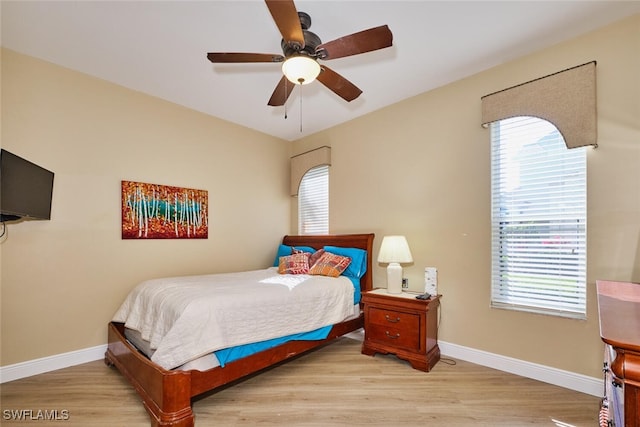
<point x="566" y="379"/>
<point x="51" y="363"/>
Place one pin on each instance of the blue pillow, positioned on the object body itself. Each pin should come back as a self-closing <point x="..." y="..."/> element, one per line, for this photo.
<point x="284" y="250"/>
<point x="358" y="265"/>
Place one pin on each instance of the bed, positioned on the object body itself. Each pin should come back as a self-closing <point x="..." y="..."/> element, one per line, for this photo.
<point x="167" y="393"/>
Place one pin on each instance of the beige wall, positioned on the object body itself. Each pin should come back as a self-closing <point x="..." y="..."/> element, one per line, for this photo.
<point x="63" y="279"/>
<point x="421" y="168"/>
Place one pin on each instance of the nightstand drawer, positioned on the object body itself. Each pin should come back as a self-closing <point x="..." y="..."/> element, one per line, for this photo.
<point x="390" y="318"/>
<point x="397" y="337"/>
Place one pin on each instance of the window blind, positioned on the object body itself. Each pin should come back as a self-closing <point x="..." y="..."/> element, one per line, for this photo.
<point x="313" y="201"/>
<point x="538" y="219"/>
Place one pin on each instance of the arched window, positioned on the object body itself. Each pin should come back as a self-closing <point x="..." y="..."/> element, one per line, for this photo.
<point x="313" y="201"/>
<point x="538" y="217"/>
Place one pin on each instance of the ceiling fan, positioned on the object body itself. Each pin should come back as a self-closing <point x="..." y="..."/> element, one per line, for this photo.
<point x="301" y="50"/>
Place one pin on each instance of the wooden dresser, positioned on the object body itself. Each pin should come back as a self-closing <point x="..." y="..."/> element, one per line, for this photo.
<point x="619" y="308"/>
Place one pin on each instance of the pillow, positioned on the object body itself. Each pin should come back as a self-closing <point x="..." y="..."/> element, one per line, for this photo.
<point x="329" y="264"/>
<point x="314" y="257"/>
<point x="358" y="265"/>
<point x="297" y="263"/>
<point x="284" y="250"/>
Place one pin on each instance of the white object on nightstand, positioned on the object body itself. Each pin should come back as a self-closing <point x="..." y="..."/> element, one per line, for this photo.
<point x="431" y="280"/>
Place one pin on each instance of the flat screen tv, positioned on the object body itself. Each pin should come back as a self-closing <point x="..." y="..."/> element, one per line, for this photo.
<point x="26" y="189"/>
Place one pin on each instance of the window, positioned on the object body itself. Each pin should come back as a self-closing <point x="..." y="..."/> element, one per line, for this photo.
<point x="313" y="201"/>
<point x="538" y="219"/>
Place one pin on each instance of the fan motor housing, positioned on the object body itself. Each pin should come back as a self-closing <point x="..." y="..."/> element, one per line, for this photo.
<point x="311" y="40"/>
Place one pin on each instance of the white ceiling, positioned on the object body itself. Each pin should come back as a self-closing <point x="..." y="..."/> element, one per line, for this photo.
<point x="159" y="48"/>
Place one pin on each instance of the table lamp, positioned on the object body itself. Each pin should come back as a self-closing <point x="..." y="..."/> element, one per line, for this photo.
<point x="394" y="250"/>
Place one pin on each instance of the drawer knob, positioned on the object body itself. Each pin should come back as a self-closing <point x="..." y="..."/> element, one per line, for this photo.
<point x="389" y="319"/>
<point x="393" y="337"/>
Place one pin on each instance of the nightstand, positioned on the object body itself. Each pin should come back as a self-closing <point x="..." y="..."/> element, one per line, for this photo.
<point x="402" y="325"/>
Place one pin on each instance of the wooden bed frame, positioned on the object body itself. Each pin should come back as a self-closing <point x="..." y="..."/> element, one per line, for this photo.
<point x="167" y="395"/>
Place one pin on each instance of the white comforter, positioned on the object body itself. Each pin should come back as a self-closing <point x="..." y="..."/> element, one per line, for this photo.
<point x="187" y="317"/>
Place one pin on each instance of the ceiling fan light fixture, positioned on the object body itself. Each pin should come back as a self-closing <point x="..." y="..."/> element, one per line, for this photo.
<point x="301" y="69"/>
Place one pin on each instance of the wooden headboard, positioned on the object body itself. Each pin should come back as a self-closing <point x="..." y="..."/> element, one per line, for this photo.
<point x="360" y="241"/>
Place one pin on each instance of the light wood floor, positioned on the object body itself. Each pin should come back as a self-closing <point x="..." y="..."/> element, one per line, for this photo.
<point x="333" y="386"/>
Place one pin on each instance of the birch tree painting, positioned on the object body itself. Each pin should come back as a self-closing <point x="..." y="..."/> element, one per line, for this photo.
<point x="152" y="211"/>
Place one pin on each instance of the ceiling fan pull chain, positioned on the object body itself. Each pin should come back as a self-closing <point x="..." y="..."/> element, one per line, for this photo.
<point x="285" y="101"/>
<point x="300" y="107"/>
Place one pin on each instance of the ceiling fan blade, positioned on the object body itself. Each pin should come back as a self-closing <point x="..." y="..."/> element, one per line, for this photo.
<point x="338" y="84"/>
<point x="228" y="57"/>
<point x="285" y="15"/>
<point x="281" y="92"/>
<point x="356" y="43"/>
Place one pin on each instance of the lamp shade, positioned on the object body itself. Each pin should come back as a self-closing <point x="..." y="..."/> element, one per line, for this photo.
<point x="394" y="249"/>
<point x="301" y="69"/>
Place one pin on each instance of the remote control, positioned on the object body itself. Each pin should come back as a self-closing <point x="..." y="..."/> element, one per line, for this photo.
<point x="423" y="296"/>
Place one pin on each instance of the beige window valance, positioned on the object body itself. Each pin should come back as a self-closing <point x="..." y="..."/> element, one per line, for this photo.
<point x="566" y="98"/>
<point x="302" y="163"/>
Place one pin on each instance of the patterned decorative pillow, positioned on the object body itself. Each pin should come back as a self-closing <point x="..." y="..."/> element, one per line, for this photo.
<point x="329" y="264"/>
<point x="315" y="257"/>
<point x="297" y="263"/>
<point x="284" y="250"/>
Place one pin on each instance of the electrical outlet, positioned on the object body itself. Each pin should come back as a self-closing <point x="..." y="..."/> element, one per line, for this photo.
<point x="405" y="283"/>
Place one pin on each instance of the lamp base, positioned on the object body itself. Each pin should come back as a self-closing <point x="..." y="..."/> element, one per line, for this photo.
<point x="394" y="278"/>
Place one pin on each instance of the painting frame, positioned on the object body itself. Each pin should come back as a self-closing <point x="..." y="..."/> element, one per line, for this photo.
<point x="156" y="211"/>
